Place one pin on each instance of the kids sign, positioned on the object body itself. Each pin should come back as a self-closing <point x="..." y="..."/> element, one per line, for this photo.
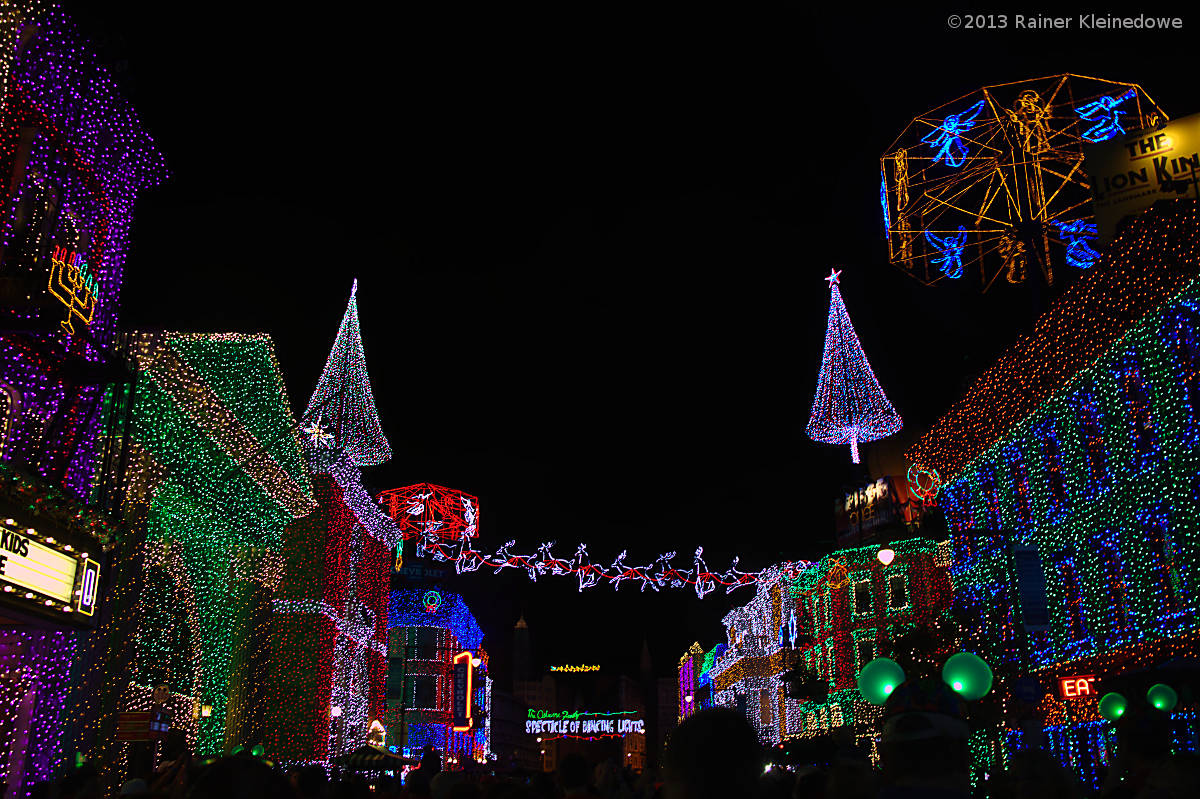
<point x="44" y="574"/>
<point x="581" y="723"/>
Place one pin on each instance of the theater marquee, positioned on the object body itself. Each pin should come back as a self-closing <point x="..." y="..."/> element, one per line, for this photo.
<point x="37" y="571"/>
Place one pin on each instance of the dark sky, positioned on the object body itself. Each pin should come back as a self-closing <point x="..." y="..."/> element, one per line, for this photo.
<point x="590" y="246"/>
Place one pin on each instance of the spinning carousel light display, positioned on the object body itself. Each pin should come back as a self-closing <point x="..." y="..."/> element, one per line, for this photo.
<point x="992" y="184"/>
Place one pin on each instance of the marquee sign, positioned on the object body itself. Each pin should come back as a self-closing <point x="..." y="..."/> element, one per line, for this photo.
<point x="46" y="574"/>
<point x="581" y="723"/>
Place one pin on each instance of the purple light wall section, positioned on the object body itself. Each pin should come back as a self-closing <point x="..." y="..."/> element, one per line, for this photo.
<point x="73" y="157"/>
<point x="31" y="701"/>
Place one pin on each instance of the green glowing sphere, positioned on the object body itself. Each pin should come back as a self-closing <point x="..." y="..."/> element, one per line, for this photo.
<point x="878" y="679"/>
<point x="258" y="750"/>
<point x="1112" y="706"/>
<point x="968" y="675"/>
<point x="1162" y="697"/>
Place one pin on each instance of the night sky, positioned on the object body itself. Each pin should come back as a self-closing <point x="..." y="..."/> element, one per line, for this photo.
<point x="590" y="247"/>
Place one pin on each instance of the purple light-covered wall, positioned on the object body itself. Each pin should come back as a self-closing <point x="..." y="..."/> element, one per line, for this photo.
<point x="31" y="703"/>
<point x="73" y="157"/>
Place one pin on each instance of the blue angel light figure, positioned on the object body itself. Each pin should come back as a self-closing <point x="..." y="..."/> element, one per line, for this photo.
<point x="950" y="252"/>
<point x="1077" y="233"/>
<point x="946" y="139"/>
<point x="1104" y="112"/>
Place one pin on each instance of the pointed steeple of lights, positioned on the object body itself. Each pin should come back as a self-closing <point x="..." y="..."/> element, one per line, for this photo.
<point x="343" y="403"/>
<point x="850" y="405"/>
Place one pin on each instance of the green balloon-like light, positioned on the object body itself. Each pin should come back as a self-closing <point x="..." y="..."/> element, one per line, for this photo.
<point x="1112" y="706"/>
<point x="969" y="675"/>
<point x="878" y="679"/>
<point x="1162" y="696"/>
<point x="258" y="750"/>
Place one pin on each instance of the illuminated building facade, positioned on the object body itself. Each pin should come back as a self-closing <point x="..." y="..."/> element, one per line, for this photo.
<point x="890" y="507"/>
<point x="850" y="608"/>
<point x="73" y="158"/>
<point x="1073" y="492"/>
<point x="214" y="477"/>
<point x="328" y="628"/>
<point x="760" y="638"/>
<point x="328" y="636"/>
<point x="689" y="681"/>
<point x="428" y="628"/>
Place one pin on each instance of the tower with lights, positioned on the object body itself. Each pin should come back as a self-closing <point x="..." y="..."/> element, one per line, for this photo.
<point x="328" y="630"/>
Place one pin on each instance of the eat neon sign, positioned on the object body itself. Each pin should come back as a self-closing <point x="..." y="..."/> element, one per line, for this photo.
<point x="1077" y="686"/>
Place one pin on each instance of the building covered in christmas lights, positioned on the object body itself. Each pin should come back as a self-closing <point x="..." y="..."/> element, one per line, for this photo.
<point x="327" y="644"/>
<point x="215" y="474"/>
<point x="74" y="158"/>
<point x="435" y="651"/>
<point x="759" y="649"/>
<point x="853" y="606"/>
<point x="1073" y="496"/>
<point x="328" y="634"/>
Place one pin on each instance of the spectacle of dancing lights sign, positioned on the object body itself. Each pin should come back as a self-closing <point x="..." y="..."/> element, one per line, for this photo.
<point x="45" y="574"/>
<point x="581" y="722"/>
<point x="72" y="284"/>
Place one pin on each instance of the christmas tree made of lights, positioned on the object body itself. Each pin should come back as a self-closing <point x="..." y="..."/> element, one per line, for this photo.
<point x="850" y="405"/>
<point x="342" y="403"/>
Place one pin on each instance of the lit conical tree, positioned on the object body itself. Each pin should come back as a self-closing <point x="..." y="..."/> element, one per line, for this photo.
<point x="850" y="405"/>
<point x="343" y="404"/>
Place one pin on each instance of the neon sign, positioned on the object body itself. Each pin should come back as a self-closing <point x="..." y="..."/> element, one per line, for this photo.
<point x="1080" y="685"/>
<point x="574" y="669"/>
<point x="581" y="723"/>
<point x="72" y="284"/>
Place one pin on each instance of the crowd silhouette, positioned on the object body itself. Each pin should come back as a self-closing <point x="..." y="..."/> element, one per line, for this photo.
<point x="713" y="754"/>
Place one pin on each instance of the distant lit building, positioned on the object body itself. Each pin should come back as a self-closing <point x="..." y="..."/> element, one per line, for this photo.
<point x="747" y="674"/>
<point x="690" y="665"/>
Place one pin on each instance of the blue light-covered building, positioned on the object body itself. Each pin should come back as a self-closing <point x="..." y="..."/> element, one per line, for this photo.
<point x="427" y="629"/>
<point x="1072" y="495"/>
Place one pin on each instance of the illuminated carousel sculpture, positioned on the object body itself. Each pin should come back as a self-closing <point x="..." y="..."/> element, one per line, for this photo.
<point x="993" y="183"/>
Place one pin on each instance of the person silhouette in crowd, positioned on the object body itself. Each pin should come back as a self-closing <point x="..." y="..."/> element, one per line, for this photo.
<point x="714" y="754"/>
<point x="1143" y="743"/>
<point x="310" y="782"/>
<point x="239" y="777"/>
<point x="573" y="777"/>
<point x="923" y="749"/>
<point x="1034" y="774"/>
